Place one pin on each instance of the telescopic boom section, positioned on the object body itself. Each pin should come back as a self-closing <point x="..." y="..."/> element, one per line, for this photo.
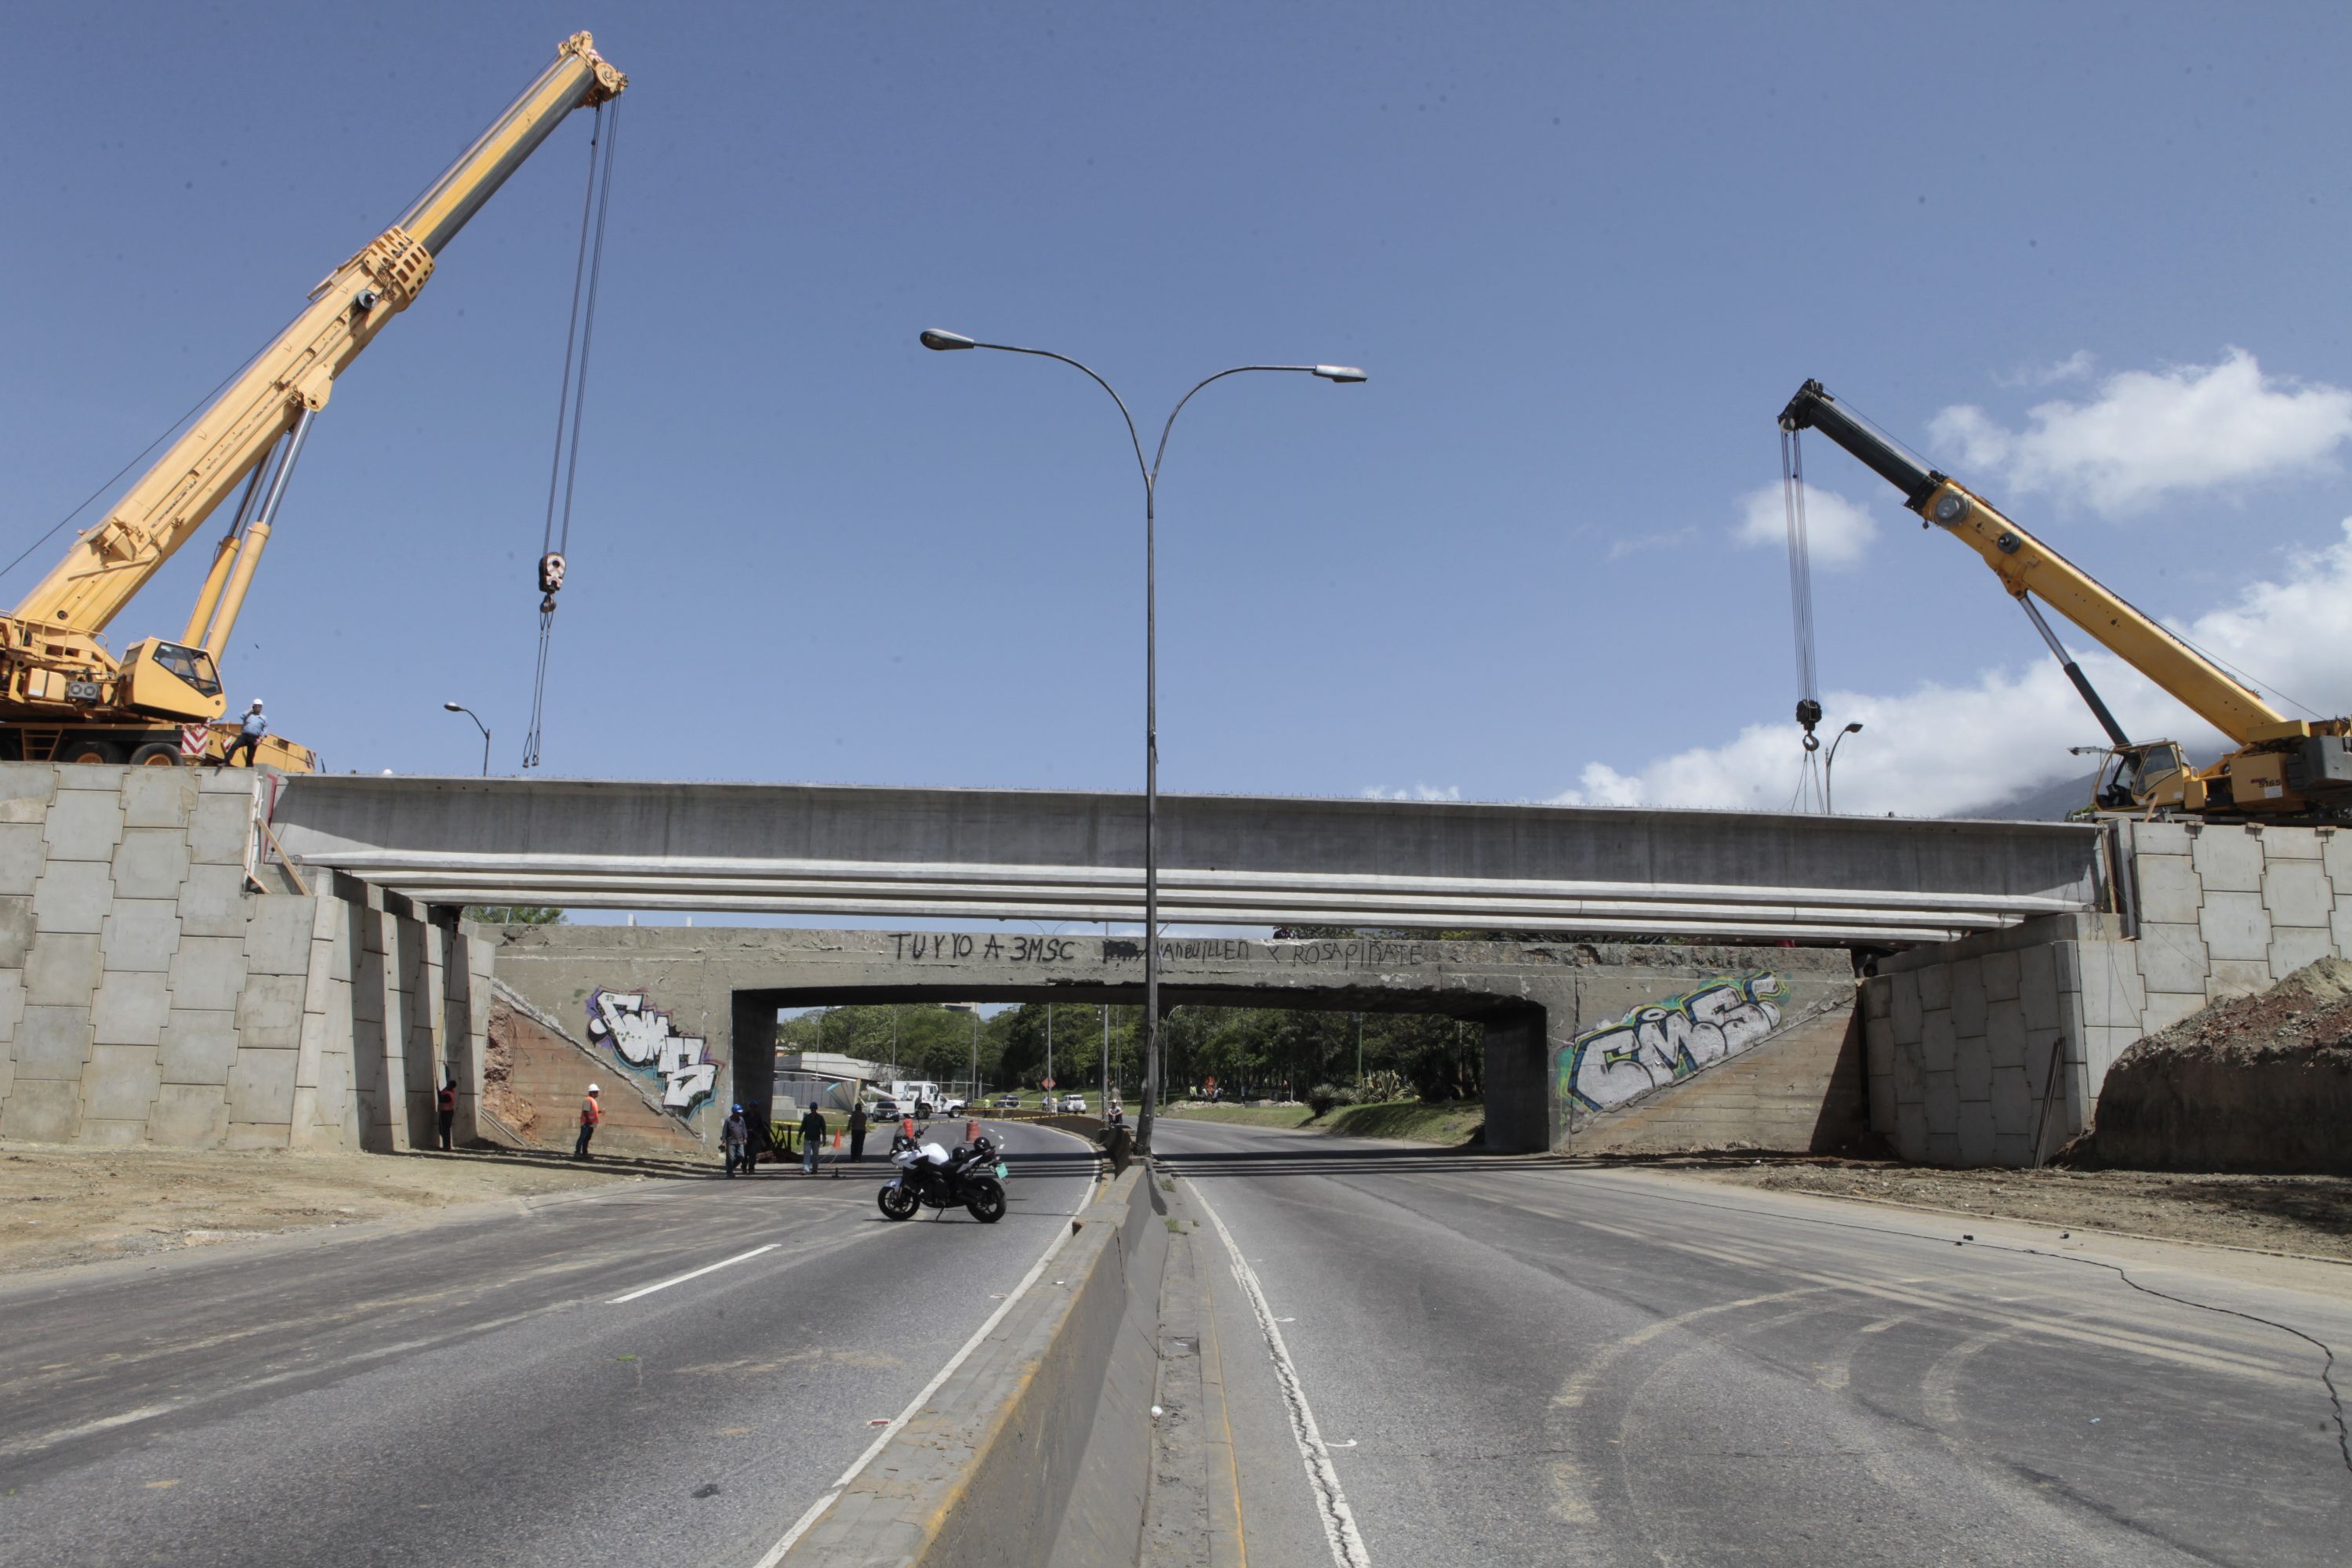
<point x="2026" y="565"/>
<point x="171" y="500"/>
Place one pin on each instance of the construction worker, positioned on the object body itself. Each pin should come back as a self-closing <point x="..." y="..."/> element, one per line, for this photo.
<point x="812" y="1138"/>
<point x="249" y="736"/>
<point x="448" y="1108"/>
<point x="734" y="1133"/>
<point x="590" y="1113"/>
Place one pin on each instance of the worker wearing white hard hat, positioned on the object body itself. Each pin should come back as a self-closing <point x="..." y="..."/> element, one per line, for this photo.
<point x="249" y="737"/>
<point x="591" y="1114"/>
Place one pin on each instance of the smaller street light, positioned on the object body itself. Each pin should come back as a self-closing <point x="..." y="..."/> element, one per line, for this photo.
<point x="485" y="729"/>
<point x="1828" y="800"/>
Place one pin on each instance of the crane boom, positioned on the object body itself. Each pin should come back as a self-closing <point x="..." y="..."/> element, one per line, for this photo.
<point x="110" y="561"/>
<point x="63" y="695"/>
<point x="2026" y="565"/>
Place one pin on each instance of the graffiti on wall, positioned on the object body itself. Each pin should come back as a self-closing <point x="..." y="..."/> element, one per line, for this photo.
<point x="645" y="1040"/>
<point x="1659" y="1042"/>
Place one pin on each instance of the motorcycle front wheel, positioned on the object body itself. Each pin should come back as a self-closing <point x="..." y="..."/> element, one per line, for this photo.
<point x="896" y="1202"/>
<point x="985" y="1199"/>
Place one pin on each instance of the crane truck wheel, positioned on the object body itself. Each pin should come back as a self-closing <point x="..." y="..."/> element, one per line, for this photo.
<point x="156" y="754"/>
<point x="91" y="751"/>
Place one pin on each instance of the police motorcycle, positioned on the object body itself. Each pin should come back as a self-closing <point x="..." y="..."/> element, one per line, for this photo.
<point x="931" y="1177"/>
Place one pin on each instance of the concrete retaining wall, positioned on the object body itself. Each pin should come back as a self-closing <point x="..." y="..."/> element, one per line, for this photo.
<point x="538" y="1071"/>
<point x="983" y="1475"/>
<point x="1800" y="1091"/>
<point x="149" y="992"/>
<point x="1993" y="1050"/>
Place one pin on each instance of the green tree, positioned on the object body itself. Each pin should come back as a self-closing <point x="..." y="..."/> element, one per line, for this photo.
<point x="514" y="915"/>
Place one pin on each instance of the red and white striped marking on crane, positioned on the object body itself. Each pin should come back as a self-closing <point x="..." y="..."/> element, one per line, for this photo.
<point x="192" y="738"/>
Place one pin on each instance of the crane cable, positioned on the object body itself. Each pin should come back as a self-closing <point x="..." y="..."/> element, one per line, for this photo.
<point x="1810" y="794"/>
<point x="562" y="482"/>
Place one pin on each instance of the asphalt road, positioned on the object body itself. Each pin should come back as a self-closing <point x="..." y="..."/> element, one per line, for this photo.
<point x="1511" y="1361"/>
<point x="467" y="1389"/>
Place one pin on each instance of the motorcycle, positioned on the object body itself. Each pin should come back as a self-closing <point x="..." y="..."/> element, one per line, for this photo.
<point x="931" y="1177"/>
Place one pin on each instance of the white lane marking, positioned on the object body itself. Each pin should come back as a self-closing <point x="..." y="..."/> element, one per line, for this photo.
<point x="65" y="1433"/>
<point x="1339" y="1521"/>
<point x="774" y="1554"/>
<point x="696" y="1274"/>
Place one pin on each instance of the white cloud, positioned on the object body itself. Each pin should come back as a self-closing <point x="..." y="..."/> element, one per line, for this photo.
<point x="1940" y="749"/>
<point x="1837" y="531"/>
<point x="2146" y="434"/>
<point x="1418" y="792"/>
<point x="1674" y="539"/>
<point x="2076" y="366"/>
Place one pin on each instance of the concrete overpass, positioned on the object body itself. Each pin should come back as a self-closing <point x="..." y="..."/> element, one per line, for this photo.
<point x="895" y="853"/>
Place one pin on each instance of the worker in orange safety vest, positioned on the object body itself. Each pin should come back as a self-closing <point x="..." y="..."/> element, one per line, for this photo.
<point x="590" y="1113"/>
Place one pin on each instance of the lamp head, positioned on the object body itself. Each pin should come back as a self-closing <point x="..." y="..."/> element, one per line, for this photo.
<point x="453" y="707"/>
<point x="932" y="338"/>
<point x="1854" y="727"/>
<point x="1342" y="373"/>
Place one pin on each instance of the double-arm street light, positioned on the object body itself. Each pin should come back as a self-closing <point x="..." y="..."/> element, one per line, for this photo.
<point x="485" y="729"/>
<point x="1342" y="373"/>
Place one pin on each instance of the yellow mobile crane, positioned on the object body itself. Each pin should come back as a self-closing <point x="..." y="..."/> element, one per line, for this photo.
<point x="62" y="694"/>
<point x="2282" y="769"/>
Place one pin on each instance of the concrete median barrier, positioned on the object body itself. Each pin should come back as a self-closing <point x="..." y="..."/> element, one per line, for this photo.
<point x="1037" y="1449"/>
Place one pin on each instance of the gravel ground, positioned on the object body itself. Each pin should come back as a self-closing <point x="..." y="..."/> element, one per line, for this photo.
<point x="62" y="1206"/>
<point x="2306" y="1215"/>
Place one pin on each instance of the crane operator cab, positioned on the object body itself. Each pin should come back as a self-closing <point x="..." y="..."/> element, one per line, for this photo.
<point x="172" y="680"/>
<point x="2137" y="777"/>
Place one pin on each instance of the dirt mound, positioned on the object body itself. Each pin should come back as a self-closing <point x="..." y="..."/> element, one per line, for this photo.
<point x="2258" y="1083"/>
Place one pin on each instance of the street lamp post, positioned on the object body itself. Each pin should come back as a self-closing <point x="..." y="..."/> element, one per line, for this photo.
<point x="1829" y="801"/>
<point x="1343" y="374"/>
<point x="485" y="729"/>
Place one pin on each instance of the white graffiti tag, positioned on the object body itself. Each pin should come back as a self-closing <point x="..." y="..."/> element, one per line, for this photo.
<point x="643" y="1036"/>
<point x="1656" y="1044"/>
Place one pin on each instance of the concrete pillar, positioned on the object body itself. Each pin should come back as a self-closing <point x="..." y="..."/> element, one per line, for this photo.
<point x="465" y="1019"/>
<point x="1518" y="1096"/>
<point x="747" y="1061"/>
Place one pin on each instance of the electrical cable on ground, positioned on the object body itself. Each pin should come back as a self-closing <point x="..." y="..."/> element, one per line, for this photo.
<point x="563" y="476"/>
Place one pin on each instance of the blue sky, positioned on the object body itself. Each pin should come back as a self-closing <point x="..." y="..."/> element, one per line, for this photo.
<point x="1585" y="253"/>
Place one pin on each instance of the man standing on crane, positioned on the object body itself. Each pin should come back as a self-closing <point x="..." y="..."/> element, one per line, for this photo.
<point x="249" y="736"/>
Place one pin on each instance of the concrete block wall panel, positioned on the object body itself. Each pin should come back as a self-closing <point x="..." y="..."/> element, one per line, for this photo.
<point x="83" y="825"/>
<point x="150" y="862"/>
<point x="220" y="828"/>
<point x="2228" y="860"/>
<point x="21" y="856"/>
<point x="140" y="935"/>
<point x="145" y="993"/>
<point x="2235" y="925"/>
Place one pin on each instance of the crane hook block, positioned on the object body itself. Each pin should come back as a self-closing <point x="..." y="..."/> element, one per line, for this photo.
<point x="551" y="579"/>
<point x="1808" y="713"/>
